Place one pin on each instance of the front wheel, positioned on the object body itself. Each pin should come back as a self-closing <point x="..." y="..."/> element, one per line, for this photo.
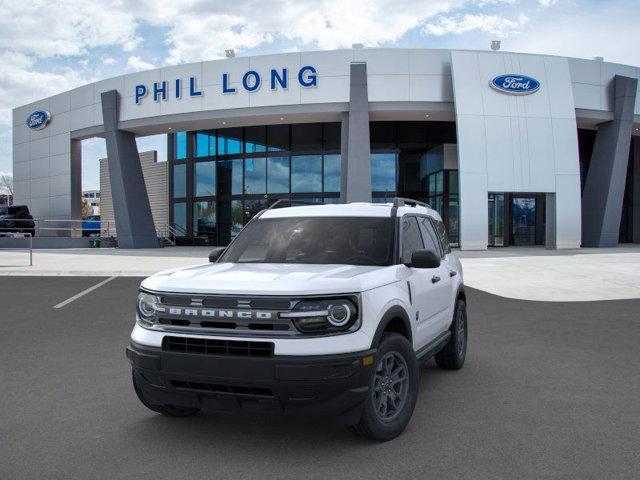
<point x="452" y="356"/>
<point x="169" y="410"/>
<point x="393" y="390"/>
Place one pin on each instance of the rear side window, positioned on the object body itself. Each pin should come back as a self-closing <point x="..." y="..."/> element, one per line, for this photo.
<point x="430" y="238"/>
<point x="411" y="238"/>
<point x="442" y="235"/>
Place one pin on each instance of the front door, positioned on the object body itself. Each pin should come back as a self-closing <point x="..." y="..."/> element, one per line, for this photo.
<point x="523" y="220"/>
<point x="429" y="286"/>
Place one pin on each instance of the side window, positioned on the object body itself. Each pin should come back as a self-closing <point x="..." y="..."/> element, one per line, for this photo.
<point x="430" y="239"/>
<point x="411" y="238"/>
<point x="442" y="235"/>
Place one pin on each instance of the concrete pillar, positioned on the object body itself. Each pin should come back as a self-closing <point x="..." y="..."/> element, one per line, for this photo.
<point x="550" y="224"/>
<point x="604" y="187"/>
<point x="355" y="178"/>
<point x="131" y="208"/>
<point x="636" y="190"/>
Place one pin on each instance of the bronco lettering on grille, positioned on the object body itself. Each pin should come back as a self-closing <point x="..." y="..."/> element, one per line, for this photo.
<point x="217" y="313"/>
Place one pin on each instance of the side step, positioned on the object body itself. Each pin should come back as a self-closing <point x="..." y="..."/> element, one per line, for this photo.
<point x="433" y="347"/>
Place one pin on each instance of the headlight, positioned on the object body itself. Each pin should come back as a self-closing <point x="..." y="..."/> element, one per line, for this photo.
<point x="148" y="306"/>
<point x="330" y="315"/>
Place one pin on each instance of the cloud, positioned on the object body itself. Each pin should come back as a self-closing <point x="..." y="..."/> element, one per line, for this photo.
<point x="21" y="83"/>
<point x="491" y="24"/>
<point x="135" y="63"/>
<point x="214" y="26"/>
<point x="108" y="61"/>
<point x="72" y="27"/>
<point x="547" y="3"/>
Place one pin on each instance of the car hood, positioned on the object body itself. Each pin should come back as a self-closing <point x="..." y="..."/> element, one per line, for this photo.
<point x="271" y="279"/>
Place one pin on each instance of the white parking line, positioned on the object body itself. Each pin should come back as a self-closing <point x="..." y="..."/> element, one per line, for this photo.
<point x="84" y="292"/>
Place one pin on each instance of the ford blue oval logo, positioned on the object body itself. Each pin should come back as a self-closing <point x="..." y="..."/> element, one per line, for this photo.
<point x="38" y="119"/>
<point x="515" y="84"/>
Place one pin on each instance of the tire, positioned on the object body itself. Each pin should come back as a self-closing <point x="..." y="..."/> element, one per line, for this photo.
<point x="452" y="356"/>
<point x="169" y="410"/>
<point x="386" y="415"/>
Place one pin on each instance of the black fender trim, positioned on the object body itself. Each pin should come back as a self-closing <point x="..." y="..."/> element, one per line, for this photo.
<point x="394" y="312"/>
<point x="460" y="295"/>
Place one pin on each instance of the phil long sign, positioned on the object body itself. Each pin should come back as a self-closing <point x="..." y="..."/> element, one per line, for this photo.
<point x="515" y="84"/>
<point x="250" y="81"/>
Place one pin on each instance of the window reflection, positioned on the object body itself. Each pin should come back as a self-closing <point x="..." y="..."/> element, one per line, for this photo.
<point x="204" y="182"/>
<point x="255" y="175"/>
<point x="205" y="144"/>
<point x="180" y="180"/>
<point x="204" y="219"/>
<point x="278" y="175"/>
<point x="180" y="217"/>
<point x="383" y="172"/>
<point x="180" y="146"/>
<point x="229" y="141"/>
<point x="332" y="173"/>
<point x="306" y="173"/>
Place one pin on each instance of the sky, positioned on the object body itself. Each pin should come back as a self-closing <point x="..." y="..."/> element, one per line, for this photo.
<point x="47" y="47"/>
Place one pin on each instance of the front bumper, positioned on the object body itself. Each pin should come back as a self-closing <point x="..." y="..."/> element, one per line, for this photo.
<point x="319" y="385"/>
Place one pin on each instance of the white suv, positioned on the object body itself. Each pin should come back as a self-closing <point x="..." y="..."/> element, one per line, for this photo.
<point x="313" y="310"/>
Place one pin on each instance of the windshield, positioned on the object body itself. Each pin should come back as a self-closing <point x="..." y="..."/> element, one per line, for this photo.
<point x="319" y="240"/>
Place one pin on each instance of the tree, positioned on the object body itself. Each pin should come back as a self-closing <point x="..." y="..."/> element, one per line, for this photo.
<point x="6" y="183"/>
<point x="86" y="208"/>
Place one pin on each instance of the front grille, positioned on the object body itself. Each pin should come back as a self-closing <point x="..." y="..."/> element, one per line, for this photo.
<point x="228" y="389"/>
<point x="208" y="346"/>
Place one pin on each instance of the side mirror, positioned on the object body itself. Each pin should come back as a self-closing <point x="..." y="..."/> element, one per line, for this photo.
<point x="215" y="254"/>
<point x="424" y="259"/>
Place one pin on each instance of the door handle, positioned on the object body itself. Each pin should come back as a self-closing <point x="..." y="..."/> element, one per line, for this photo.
<point x="435" y="279"/>
<point x="453" y="273"/>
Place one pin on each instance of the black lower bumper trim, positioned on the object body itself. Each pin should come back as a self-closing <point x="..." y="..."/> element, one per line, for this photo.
<point x="327" y="385"/>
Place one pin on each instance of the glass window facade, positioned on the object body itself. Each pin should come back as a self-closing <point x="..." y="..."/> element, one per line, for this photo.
<point x="222" y="178"/>
<point x="407" y="160"/>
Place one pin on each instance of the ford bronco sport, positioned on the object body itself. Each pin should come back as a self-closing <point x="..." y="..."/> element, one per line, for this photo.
<point x="312" y="310"/>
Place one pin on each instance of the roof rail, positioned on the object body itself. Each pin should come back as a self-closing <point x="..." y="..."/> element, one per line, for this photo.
<point x="401" y="202"/>
<point x="284" y="203"/>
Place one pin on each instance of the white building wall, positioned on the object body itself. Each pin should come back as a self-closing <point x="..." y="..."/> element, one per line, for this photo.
<point x="509" y="143"/>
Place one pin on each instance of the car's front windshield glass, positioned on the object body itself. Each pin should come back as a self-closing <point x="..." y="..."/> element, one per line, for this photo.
<point x="318" y="240"/>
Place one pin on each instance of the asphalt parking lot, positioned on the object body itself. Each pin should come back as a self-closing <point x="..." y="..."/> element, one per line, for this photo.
<point x="550" y="390"/>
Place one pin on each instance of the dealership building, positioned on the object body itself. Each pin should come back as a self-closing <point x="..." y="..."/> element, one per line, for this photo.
<point x="511" y="149"/>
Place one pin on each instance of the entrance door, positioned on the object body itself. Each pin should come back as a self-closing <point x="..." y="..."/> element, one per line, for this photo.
<point x="496" y="220"/>
<point x="523" y="220"/>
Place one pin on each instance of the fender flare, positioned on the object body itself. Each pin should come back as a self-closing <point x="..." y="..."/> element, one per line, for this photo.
<point x="395" y="311"/>
<point x="460" y="295"/>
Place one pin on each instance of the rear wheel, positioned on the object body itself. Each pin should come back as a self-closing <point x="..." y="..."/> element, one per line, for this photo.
<point x="393" y="390"/>
<point x="169" y="410"/>
<point x="452" y="356"/>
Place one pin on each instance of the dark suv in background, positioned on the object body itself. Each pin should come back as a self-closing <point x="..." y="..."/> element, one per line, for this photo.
<point x="17" y="219"/>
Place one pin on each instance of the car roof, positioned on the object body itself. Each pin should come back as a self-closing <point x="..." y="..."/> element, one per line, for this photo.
<point x="355" y="209"/>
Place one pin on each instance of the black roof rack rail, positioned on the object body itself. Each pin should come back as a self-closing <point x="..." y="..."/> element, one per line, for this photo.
<point x="401" y="202"/>
<point x="284" y="203"/>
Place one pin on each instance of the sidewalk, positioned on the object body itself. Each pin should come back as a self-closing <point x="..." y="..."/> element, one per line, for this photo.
<point x="522" y="273"/>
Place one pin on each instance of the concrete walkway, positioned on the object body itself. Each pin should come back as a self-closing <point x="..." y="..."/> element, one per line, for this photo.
<point x="555" y="275"/>
<point x="521" y="273"/>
